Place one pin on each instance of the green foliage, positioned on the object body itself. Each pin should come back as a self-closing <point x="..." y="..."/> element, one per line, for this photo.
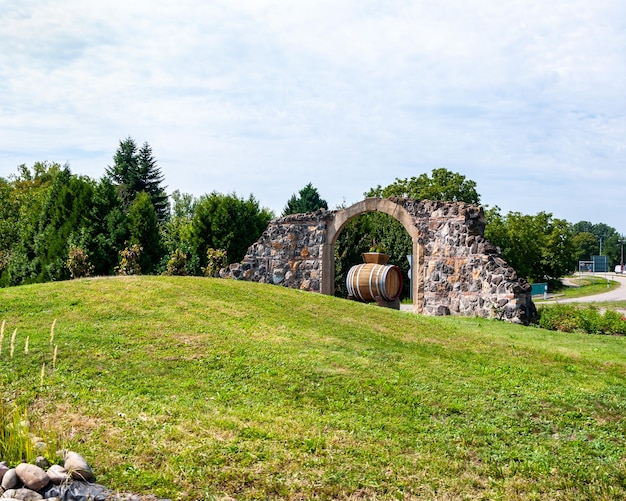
<point x="588" y="237"/>
<point x="135" y="171"/>
<point x="227" y="222"/>
<point x="573" y="318"/>
<point x="375" y="232"/>
<point x="78" y="262"/>
<point x="176" y="264"/>
<point x="29" y="193"/>
<point x="51" y="214"/>
<point x="176" y="232"/>
<point x="585" y="245"/>
<point x="216" y="260"/>
<point x="129" y="260"/>
<point x="441" y="185"/>
<point x="143" y="230"/>
<point x="65" y="212"/>
<point x="538" y="247"/>
<point x="107" y="231"/>
<point x="308" y="200"/>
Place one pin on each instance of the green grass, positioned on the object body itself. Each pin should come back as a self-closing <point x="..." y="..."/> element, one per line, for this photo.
<point x="195" y="388"/>
<point x="584" y="286"/>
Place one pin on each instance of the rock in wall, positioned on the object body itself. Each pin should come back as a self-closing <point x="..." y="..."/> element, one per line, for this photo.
<point x="288" y="253"/>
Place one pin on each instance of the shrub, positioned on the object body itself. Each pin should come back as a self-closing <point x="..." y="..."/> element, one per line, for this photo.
<point x="129" y="262"/>
<point x="78" y="262"/>
<point x="570" y="318"/>
<point x="216" y="260"/>
<point x="177" y="264"/>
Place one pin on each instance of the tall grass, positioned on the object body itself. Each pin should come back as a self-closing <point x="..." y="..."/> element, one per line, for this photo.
<point x="19" y="441"/>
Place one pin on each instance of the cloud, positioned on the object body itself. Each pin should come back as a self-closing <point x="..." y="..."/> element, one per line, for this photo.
<point x="261" y="96"/>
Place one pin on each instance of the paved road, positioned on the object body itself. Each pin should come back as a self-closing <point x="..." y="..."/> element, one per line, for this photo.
<point x="618" y="294"/>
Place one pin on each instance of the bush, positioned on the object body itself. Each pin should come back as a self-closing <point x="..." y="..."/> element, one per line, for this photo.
<point x="78" y="262"/>
<point x="570" y="318"/>
<point x="177" y="264"/>
<point x="216" y="260"/>
<point x="129" y="262"/>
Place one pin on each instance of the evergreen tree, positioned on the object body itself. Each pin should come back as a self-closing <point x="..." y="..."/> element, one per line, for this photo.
<point x="149" y="179"/>
<point x="227" y="222"/>
<point x="123" y="173"/>
<point x="107" y="231"/>
<point x="143" y="229"/>
<point x="309" y="200"/>
<point x="134" y="171"/>
<point x="31" y="189"/>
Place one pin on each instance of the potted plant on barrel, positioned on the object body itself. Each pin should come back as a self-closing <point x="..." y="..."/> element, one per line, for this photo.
<point x="376" y="254"/>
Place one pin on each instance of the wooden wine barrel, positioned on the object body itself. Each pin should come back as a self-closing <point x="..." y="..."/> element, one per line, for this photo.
<point x="369" y="281"/>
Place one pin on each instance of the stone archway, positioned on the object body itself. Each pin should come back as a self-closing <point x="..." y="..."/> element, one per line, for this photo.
<point x="386" y="206"/>
<point x="455" y="270"/>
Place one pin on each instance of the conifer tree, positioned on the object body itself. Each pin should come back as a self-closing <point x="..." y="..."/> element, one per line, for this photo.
<point x="135" y="170"/>
<point x="309" y="200"/>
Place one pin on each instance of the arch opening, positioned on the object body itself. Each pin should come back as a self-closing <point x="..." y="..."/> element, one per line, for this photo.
<point x="395" y="211"/>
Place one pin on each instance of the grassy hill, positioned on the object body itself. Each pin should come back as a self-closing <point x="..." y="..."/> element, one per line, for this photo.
<point x="195" y="388"/>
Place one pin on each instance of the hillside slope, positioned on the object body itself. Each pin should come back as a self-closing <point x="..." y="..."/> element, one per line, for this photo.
<point x="195" y="388"/>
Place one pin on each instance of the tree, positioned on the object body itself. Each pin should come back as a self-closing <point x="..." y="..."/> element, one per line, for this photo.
<point x="143" y="229"/>
<point x="9" y="217"/>
<point x="177" y="236"/>
<point x="107" y="229"/>
<point x="134" y="171"/>
<point x="309" y="200"/>
<point x="607" y="241"/>
<point x="149" y="179"/>
<point x="538" y="247"/>
<point x="442" y="185"/>
<point x="227" y="222"/>
<point x="586" y="244"/>
<point x="64" y="214"/>
<point x="30" y="189"/>
<point x="123" y="173"/>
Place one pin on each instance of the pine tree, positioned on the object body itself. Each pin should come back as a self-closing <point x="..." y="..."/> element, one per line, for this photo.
<point x="149" y="179"/>
<point x="309" y="200"/>
<point x="134" y="171"/>
<point x="124" y="170"/>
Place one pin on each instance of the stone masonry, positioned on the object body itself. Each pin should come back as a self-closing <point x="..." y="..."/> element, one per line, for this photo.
<point x="456" y="271"/>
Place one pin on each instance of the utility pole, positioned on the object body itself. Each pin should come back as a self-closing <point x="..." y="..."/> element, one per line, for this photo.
<point x="600" y="245"/>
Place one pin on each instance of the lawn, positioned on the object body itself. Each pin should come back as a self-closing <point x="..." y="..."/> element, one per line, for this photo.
<point x="194" y="388"/>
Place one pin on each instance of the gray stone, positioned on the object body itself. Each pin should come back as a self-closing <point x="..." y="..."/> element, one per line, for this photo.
<point x="32" y="476"/>
<point x="25" y="494"/>
<point x="58" y="474"/>
<point x="3" y="469"/>
<point x="10" y="480"/>
<point x="77" y="466"/>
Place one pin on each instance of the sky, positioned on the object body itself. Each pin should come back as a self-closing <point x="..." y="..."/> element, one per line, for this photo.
<point x="525" y="97"/>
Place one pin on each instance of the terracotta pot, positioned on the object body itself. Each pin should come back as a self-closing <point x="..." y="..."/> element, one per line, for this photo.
<point x="375" y="257"/>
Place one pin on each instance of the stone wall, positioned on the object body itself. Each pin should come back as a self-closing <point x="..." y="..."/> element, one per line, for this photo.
<point x="464" y="274"/>
<point x="288" y="253"/>
<point x="458" y="271"/>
